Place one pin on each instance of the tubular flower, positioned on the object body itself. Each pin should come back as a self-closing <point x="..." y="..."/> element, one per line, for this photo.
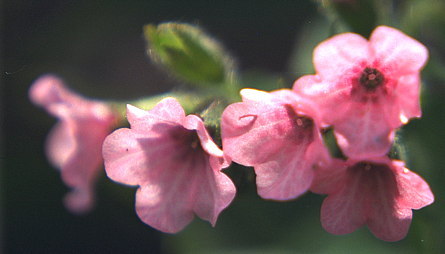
<point x="74" y="144"/>
<point x="377" y="192"/>
<point x="278" y="134"/>
<point x="366" y="89"/>
<point x="175" y="163"/>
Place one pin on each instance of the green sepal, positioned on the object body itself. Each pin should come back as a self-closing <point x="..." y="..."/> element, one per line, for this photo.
<point x="331" y="143"/>
<point x="189" y="54"/>
<point x="398" y="149"/>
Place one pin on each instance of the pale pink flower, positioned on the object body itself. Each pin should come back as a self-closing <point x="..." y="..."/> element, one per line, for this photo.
<point x="278" y="134"/>
<point x="377" y="192"/>
<point x="175" y="163"/>
<point x="74" y="144"/>
<point x="366" y="89"/>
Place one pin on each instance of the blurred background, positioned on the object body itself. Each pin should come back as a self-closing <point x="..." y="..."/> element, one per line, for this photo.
<point x="97" y="47"/>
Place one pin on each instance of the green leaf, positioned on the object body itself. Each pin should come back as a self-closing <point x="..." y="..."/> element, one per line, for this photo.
<point x="188" y="54"/>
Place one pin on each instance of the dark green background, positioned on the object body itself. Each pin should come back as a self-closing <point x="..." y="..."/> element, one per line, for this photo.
<point x="97" y="47"/>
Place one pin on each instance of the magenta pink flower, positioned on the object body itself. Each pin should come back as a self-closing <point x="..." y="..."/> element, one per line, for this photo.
<point x="174" y="161"/>
<point x="278" y="134"/>
<point x="74" y="144"/>
<point x="378" y="192"/>
<point x="366" y="89"/>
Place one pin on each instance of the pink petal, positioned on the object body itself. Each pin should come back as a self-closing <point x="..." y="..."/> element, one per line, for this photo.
<point x="215" y="191"/>
<point x="330" y="177"/>
<point x="83" y="165"/>
<point x="332" y="98"/>
<point x="399" y="191"/>
<point x="74" y="144"/>
<point x="414" y="191"/>
<point x="285" y="177"/>
<point x="291" y="173"/>
<point x="79" y="200"/>
<point x="131" y="155"/>
<point x="408" y="87"/>
<point x="167" y="211"/>
<point x="389" y="223"/>
<point x="123" y="156"/>
<point x="338" y="54"/>
<point x="60" y="143"/>
<point x="365" y="133"/>
<point x="398" y="51"/>
<point x="252" y="132"/>
<point x="85" y="161"/>
<point x="167" y="195"/>
<point x="167" y="110"/>
<point x="342" y="212"/>
<point x="387" y="220"/>
<point x="167" y="203"/>
<point x="50" y="90"/>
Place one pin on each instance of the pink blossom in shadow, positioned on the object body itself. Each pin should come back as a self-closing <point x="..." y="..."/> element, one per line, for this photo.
<point x="278" y="134"/>
<point x="175" y="163"/>
<point x="378" y="192"/>
<point x="366" y="89"/>
<point x="74" y="144"/>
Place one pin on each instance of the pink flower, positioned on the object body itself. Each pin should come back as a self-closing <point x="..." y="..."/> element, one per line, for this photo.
<point x="74" y="144"/>
<point x="174" y="161"/>
<point x="366" y="89"/>
<point x="377" y="192"/>
<point x="278" y="134"/>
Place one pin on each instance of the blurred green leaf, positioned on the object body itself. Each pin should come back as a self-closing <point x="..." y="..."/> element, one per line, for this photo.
<point x="359" y="15"/>
<point x="263" y="80"/>
<point x="311" y="35"/>
<point x="424" y="20"/>
<point x="188" y="53"/>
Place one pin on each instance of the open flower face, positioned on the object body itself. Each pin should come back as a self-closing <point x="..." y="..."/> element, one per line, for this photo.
<point x="74" y="144"/>
<point x="379" y="193"/>
<point x="277" y="133"/>
<point x="366" y="89"/>
<point x="174" y="161"/>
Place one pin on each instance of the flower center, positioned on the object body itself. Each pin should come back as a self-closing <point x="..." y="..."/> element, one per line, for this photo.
<point x="366" y="166"/>
<point x="370" y="172"/>
<point x="304" y="122"/>
<point x="371" y="78"/>
<point x="302" y="126"/>
<point x="186" y="138"/>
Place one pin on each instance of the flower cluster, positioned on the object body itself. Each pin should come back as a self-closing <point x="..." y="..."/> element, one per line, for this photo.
<point x="363" y="89"/>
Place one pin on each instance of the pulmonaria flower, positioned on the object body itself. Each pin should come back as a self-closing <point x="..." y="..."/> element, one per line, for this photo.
<point x="278" y="134"/>
<point x="74" y="144"/>
<point x="366" y="89"/>
<point x="377" y="192"/>
<point x="175" y="163"/>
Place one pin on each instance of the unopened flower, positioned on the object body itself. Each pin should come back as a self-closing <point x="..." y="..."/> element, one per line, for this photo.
<point x="278" y="134"/>
<point x="366" y="89"/>
<point x="377" y="192"/>
<point x="74" y="144"/>
<point x="175" y="163"/>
